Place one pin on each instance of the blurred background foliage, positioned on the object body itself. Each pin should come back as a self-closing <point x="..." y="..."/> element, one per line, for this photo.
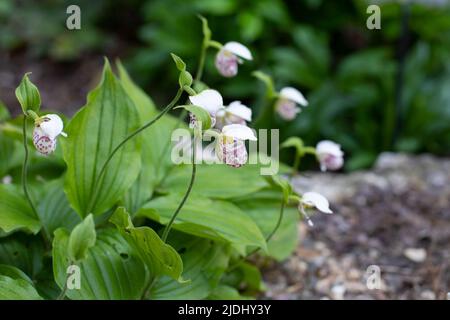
<point x="369" y="90"/>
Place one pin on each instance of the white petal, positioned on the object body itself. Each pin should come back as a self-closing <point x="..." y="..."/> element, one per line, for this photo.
<point x="294" y="95"/>
<point x="316" y="200"/>
<point x="209" y="99"/>
<point x="52" y="126"/>
<point x="238" y="49"/>
<point x="329" y="147"/>
<point x="238" y="131"/>
<point x="236" y="108"/>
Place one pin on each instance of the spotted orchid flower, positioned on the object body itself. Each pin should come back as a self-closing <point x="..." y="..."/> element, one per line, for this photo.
<point x="235" y="113"/>
<point x="210" y="100"/>
<point x="229" y="56"/>
<point x="286" y="106"/>
<point x="230" y="148"/>
<point x="330" y="155"/>
<point x="47" y="129"/>
<point x="313" y="200"/>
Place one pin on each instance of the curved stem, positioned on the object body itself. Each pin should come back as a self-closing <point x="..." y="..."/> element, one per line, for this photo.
<point x="62" y="295"/>
<point x="186" y="195"/>
<point x="269" y="236"/>
<point x="128" y="138"/>
<point x="201" y="63"/>
<point x="25" y="166"/>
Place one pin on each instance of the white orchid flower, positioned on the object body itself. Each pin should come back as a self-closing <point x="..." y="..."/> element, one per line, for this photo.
<point x="286" y="105"/>
<point x="47" y="129"/>
<point x="230" y="148"/>
<point x="210" y="100"/>
<point x="235" y="113"/>
<point x="330" y="155"/>
<point x="228" y="58"/>
<point x="313" y="200"/>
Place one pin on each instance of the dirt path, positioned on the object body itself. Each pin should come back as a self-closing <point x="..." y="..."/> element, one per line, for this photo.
<point x="395" y="218"/>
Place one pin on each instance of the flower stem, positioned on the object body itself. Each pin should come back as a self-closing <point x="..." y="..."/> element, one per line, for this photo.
<point x="128" y="138"/>
<point x="186" y="195"/>
<point x="201" y="63"/>
<point x="269" y="236"/>
<point x="25" y="167"/>
<point x="62" y="295"/>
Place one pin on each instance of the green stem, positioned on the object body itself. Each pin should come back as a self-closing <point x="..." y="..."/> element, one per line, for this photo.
<point x="296" y="163"/>
<point x="275" y="229"/>
<point x="186" y="195"/>
<point x="128" y="138"/>
<point x="201" y="63"/>
<point x="62" y="295"/>
<point x="25" y="166"/>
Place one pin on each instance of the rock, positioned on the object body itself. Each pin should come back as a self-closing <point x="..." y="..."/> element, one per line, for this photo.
<point x="415" y="254"/>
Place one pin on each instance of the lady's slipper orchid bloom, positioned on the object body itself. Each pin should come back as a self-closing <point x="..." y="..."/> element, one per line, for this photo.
<point x="313" y="200"/>
<point x="228" y="58"/>
<point x="235" y="113"/>
<point x="230" y="148"/>
<point x="330" y="155"/>
<point x="47" y="129"/>
<point x="210" y="100"/>
<point x="286" y="105"/>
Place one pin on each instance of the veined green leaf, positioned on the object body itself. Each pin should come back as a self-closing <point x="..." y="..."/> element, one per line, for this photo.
<point x="204" y="262"/>
<point x="54" y="209"/>
<point x="160" y="258"/>
<point x="81" y="239"/>
<point x="217" y="181"/>
<point x="155" y="153"/>
<point x="203" y="217"/>
<point x="107" y="118"/>
<point x="15" y="212"/>
<point x="15" y="285"/>
<point x="111" y="270"/>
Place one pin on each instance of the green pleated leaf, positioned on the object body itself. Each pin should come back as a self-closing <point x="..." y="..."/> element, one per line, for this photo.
<point x="15" y="212"/>
<point x="24" y="252"/>
<point x="203" y="217"/>
<point x="54" y="209"/>
<point x="111" y="270"/>
<point x="264" y="208"/>
<point x="204" y="262"/>
<point x="160" y="258"/>
<point x="155" y="152"/>
<point x="217" y="181"/>
<point x="15" y="285"/>
<point x="107" y="118"/>
<point x="81" y="239"/>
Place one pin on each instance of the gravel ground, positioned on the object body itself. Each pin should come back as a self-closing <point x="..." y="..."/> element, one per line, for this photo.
<point x="394" y="219"/>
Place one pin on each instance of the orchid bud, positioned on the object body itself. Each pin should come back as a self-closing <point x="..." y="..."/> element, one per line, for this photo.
<point x="286" y="106"/>
<point x="47" y="129"/>
<point x="330" y="155"/>
<point x="228" y="57"/>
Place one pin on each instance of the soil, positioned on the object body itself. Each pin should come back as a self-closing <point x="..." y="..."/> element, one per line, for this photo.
<point x="394" y="220"/>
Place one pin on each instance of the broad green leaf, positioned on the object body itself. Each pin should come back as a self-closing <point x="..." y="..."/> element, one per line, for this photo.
<point x="81" y="239"/>
<point x="24" y="252"/>
<point x="15" y="285"/>
<point x="264" y="208"/>
<point x="224" y="292"/>
<point x="4" y="112"/>
<point x="203" y="217"/>
<point x="111" y="270"/>
<point x="28" y="95"/>
<point x="155" y="153"/>
<point x="200" y="114"/>
<point x="204" y="262"/>
<point x="15" y="212"/>
<point x="54" y="209"/>
<point x="107" y="118"/>
<point x="160" y="258"/>
<point x="217" y="181"/>
<point x="7" y="148"/>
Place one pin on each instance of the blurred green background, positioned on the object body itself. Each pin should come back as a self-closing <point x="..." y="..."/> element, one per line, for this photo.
<point x="369" y="90"/>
